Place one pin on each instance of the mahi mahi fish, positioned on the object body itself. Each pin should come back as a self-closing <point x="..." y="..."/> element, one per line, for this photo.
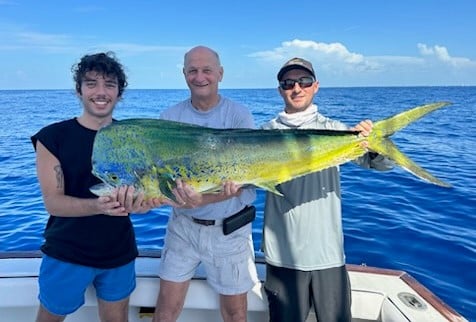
<point x="151" y="154"/>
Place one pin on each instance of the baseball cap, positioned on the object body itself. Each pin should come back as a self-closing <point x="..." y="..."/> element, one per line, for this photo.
<point x="296" y="63"/>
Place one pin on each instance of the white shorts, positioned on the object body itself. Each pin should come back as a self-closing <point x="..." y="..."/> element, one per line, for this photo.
<point x="228" y="260"/>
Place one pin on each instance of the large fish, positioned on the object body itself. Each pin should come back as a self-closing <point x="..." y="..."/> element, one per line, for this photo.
<point x="151" y="153"/>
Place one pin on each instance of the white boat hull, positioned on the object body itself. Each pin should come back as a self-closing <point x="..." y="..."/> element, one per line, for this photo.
<point x="377" y="295"/>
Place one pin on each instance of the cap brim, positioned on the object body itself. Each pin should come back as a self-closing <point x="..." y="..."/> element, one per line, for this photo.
<point x="284" y="70"/>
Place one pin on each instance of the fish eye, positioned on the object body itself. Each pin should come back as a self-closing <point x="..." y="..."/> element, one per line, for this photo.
<point x="113" y="177"/>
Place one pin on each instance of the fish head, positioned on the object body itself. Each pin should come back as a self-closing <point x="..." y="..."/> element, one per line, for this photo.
<point x="114" y="176"/>
<point x="115" y="163"/>
<point x="150" y="181"/>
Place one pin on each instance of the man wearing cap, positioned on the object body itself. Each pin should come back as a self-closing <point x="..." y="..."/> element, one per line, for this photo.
<point x="303" y="239"/>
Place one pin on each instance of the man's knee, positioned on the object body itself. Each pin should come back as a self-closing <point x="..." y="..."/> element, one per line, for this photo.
<point x="234" y="307"/>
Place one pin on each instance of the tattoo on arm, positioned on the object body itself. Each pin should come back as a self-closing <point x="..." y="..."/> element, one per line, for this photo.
<point x="59" y="177"/>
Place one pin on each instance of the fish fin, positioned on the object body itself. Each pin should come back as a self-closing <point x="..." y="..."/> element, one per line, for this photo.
<point x="216" y="189"/>
<point x="166" y="185"/>
<point x="387" y="127"/>
<point x="271" y="187"/>
<point x="387" y="148"/>
<point x="379" y="142"/>
<point x="219" y="188"/>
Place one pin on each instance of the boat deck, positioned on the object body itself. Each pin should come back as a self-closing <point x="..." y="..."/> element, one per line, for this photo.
<point x="378" y="295"/>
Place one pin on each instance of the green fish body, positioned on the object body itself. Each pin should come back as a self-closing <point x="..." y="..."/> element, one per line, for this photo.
<point x="151" y="153"/>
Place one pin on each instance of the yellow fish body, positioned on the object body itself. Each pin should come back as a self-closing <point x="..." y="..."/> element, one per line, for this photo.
<point x="151" y="153"/>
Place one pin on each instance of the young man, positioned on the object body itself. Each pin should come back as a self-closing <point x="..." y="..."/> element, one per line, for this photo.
<point x="303" y="236"/>
<point x="88" y="240"/>
<point x="194" y="231"/>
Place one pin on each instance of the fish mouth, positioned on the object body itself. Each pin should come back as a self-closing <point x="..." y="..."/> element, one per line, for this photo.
<point x="102" y="189"/>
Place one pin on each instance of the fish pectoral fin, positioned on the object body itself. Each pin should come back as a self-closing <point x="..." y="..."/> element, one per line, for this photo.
<point x="166" y="185"/>
<point x="269" y="186"/>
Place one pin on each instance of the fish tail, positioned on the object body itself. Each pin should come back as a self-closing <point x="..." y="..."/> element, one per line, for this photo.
<point x="380" y="143"/>
<point x="387" y="127"/>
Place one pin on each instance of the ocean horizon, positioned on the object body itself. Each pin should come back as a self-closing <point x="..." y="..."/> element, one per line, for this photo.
<point x="252" y="88"/>
<point x="391" y="219"/>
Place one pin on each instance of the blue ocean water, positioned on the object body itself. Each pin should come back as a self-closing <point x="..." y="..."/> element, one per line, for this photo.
<point x="391" y="220"/>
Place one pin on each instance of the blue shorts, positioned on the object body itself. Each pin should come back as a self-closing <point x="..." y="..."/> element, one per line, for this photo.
<point x="62" y="284"/>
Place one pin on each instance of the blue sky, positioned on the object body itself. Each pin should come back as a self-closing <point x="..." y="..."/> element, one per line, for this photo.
<point x="351" y="43"/>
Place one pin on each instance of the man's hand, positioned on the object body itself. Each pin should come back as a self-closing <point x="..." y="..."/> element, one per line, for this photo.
<point x="187" y="197"/>
<point x="134" y="202"/>
<point x="364" y="128"/>
<point x="109" y="205"/>
<point x="231" y="189"/>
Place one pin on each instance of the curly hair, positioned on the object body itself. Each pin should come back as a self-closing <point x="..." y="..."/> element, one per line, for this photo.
<point x="103" y="63"/>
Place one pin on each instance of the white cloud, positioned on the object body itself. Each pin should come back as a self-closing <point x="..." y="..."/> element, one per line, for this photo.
<point x="441" y="54"/>
<point x="336" y="63"/>
<point x="331" y="57"/>
<point x="336" y="50"/>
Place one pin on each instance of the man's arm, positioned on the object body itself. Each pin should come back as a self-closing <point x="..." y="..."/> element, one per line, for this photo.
<point x="51" y="179"/>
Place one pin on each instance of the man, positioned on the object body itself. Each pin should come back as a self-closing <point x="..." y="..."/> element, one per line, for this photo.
<point x="88" y="240"/>
<point x="194" y="232"/>
<point x="302" y="233"/>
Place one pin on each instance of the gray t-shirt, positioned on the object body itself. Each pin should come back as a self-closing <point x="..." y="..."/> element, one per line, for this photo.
<point x="226" y="114"/>
<point x="303" y="229"/>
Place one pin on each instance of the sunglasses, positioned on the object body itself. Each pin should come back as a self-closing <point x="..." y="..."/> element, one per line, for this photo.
<point x="303" y="82"/>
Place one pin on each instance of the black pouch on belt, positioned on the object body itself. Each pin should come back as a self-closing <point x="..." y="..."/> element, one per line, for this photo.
<point x="238" y="220"/>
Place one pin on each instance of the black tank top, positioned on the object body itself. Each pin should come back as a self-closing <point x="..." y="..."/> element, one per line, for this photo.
<point x="98" y="241"/>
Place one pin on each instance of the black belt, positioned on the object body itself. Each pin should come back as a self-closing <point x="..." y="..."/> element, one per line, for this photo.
<point x="232" y="223"/>
<point x="204" y="222"/>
